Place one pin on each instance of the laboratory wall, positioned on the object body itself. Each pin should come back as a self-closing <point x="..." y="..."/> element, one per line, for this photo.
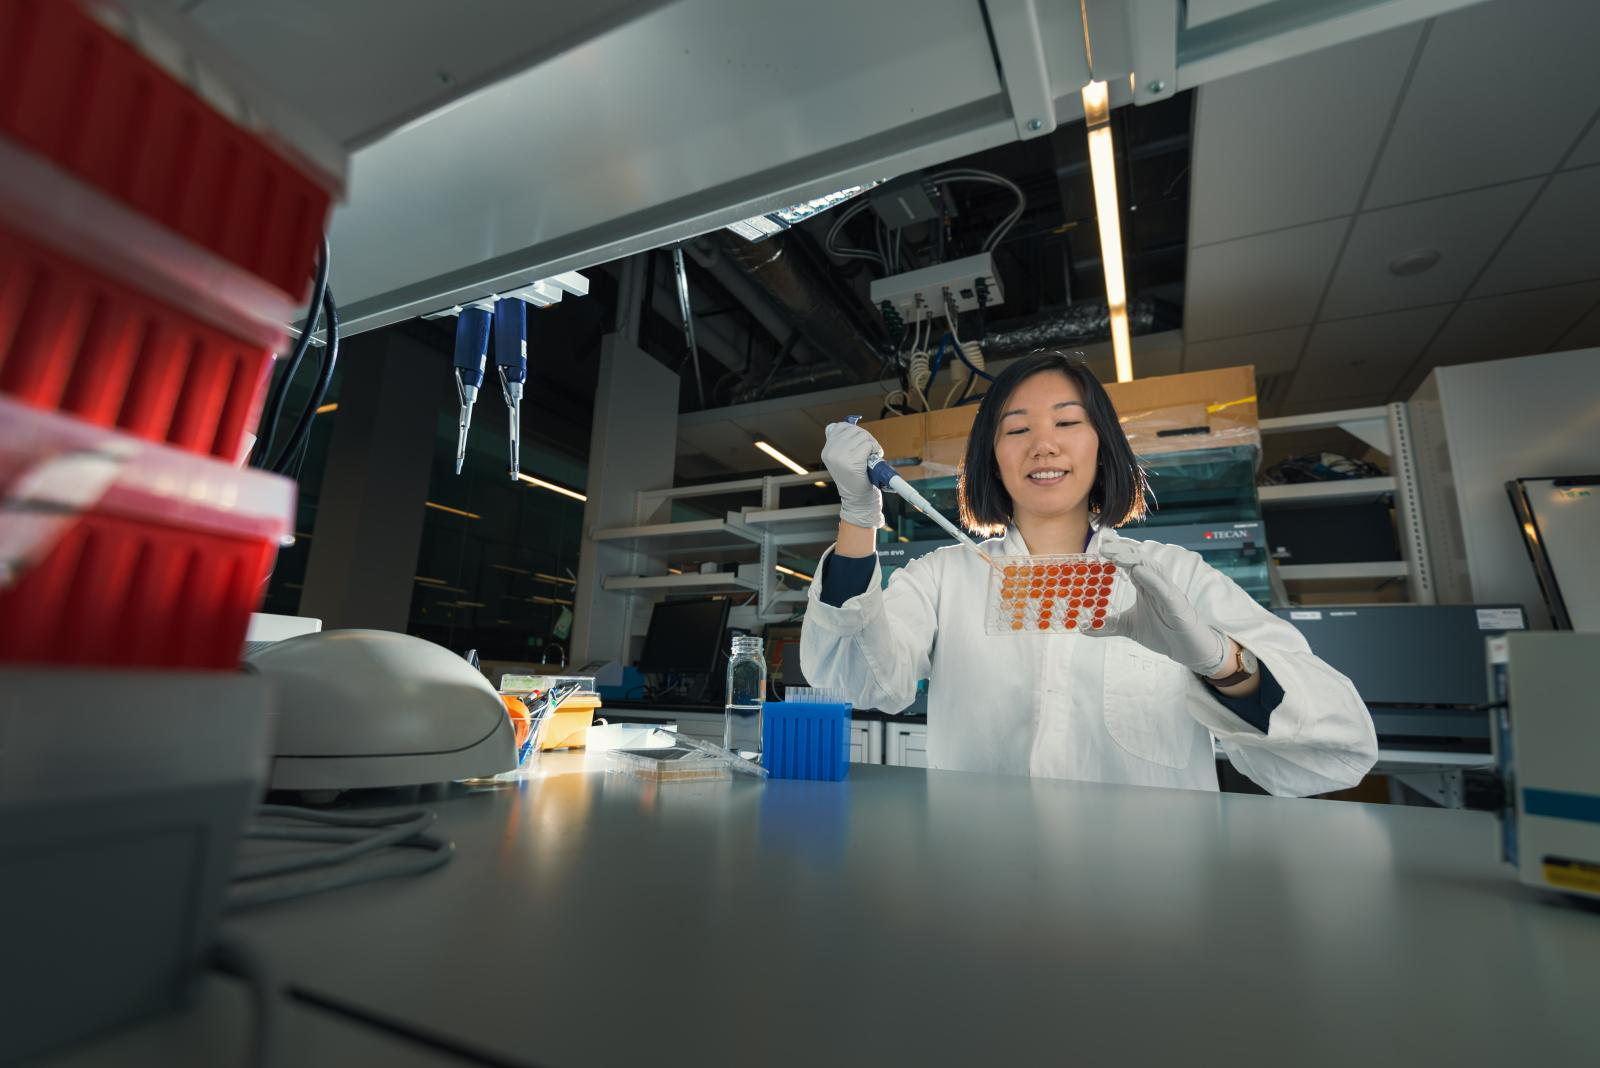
<point x="633" y="446"/>
<point x="1479" y="425"/>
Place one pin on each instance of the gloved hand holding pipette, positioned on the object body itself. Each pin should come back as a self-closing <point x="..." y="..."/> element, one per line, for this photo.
<point x="855" y="459"/>
<point x="848" y="453"/>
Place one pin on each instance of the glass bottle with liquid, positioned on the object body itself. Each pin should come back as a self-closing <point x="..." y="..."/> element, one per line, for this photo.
<point x="746" y="692"/>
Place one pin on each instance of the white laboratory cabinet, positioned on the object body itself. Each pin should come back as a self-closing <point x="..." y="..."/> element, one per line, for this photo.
<point x="866" y="741"/>
<point x="906" y="744"/>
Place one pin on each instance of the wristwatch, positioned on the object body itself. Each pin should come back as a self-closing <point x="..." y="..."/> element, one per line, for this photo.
<point x="1247" y="667"/>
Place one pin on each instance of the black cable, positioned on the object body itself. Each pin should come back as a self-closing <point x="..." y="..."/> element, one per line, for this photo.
<point x="268" y="426"/>
<point x="330" y="356"/>
<point x="299" y="460"/>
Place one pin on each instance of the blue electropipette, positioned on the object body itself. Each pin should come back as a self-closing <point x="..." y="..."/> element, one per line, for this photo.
<point x="885" y="477"/>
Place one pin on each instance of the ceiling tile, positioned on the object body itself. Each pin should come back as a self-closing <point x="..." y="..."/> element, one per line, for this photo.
<point x="1516" y="324"/>
<point x="1502" y="90"/>
<point x="1555" y="243"/>
<point x="1588" y="151"/>
<point x="1273" y="352"/>
<point x="1464" y="229"/>
<point x="1293" y="142"/>
<point x="1259" y="283"/>
<point x="1584" y="335"/>
<point x="1363" y="357"/>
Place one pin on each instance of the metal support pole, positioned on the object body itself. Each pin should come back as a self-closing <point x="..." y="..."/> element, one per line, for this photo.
<point x="1408" y="505"/>
<point x="688" y="320"/>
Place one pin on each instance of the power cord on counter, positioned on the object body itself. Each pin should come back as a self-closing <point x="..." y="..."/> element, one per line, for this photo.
<point x="235" y="956"/>
<point x="356" y="835"/>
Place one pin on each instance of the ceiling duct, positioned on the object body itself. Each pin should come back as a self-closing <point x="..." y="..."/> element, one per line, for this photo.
<point x="792" y="284"/>
<point x="1076" y="325"/>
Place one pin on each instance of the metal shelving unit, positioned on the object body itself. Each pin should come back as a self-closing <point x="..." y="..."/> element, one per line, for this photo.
<point x="1376" y="569"/>
<point x="720" y="582"/>
<point x="1313" y="493"/>
<point x="730" y="533"/>
<point x="758" y="531"/>
<point x="1387" y="429"/>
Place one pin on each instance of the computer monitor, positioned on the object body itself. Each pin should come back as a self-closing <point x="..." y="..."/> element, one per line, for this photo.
<point x="685" y="637"/>
<point x="1560" y="523"/>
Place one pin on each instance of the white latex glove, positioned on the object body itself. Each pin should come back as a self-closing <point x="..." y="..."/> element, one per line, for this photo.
<point x="1161" y="619"/>
<point x="846" y="454"/>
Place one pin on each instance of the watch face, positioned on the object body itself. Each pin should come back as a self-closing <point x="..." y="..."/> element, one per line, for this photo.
<point x="1247" y="660"/>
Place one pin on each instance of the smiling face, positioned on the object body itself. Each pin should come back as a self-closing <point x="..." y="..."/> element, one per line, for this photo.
<point x="1046" y="448"/>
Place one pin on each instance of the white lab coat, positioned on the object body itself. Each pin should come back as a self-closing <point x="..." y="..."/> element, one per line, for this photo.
<point x="1064" y="706"/>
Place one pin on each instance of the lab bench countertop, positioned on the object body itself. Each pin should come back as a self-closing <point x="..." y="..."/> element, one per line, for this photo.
<point x="911" y="917"/>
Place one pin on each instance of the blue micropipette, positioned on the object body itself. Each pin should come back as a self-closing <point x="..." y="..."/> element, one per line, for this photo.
<point x="885" y="477"/>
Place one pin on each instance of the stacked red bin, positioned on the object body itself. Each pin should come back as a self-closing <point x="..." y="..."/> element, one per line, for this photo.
<point x="151" y="251"/>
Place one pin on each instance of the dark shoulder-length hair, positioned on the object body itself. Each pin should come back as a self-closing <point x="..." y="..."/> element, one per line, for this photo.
<point x="1118" y="494"/>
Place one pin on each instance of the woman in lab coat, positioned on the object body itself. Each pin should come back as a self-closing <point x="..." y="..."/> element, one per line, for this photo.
<point x="1184" y="655"/>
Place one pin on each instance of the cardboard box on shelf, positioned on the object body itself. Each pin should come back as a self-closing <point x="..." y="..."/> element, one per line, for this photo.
<point x="1168" y="413"/>
<point x="1197" y="410"/>
<point x="902" y="437"/>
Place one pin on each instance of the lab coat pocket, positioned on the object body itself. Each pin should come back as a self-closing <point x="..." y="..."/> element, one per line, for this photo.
<point x="1145" y="695"/>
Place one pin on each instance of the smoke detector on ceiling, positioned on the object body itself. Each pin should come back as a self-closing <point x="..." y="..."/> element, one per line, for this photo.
<point x="1414" y="262"/>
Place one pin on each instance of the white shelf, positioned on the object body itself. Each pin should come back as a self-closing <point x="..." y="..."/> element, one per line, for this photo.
<point x="721" y="582"/>
<point x="1323" y="420"/>
<point x="1376" y="569"/>
<point x="1349" y="489"/>
<point x="694" y="534"/>
<point x="816" y="524"/>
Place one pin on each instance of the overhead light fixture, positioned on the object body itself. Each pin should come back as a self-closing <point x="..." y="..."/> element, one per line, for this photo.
<point x="761" y="227"/>
<point x="781" y="458"/>
<point x="555" y="578"/>
<point x="552" y="487"/>
<point x="453" y="511"/>
<point x="508" y="567"/>
<point x="326" y="408"/>
<point x="791" y="571"/>
<point x="1102" y="167"/>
